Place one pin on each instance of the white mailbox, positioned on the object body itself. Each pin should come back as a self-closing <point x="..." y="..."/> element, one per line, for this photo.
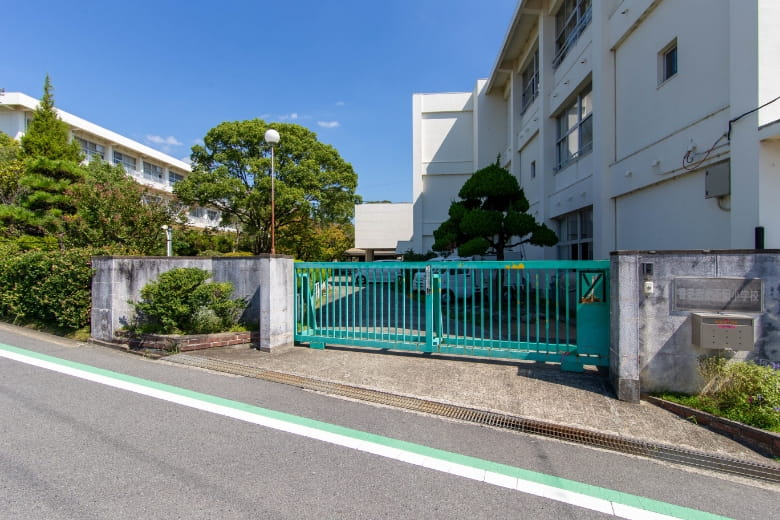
<point x="734" y="331"/>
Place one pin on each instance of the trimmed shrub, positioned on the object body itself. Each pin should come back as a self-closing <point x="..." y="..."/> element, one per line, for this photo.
<point x="181" y="302"/>
<point x="49" y="287"/>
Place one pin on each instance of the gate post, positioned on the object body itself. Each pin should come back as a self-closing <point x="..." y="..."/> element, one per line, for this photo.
<point x="624" y="324"/>
<point x="277" y="286"/>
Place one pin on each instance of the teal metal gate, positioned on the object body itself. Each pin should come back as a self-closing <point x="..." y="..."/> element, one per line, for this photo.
<point x="551" y="311"/>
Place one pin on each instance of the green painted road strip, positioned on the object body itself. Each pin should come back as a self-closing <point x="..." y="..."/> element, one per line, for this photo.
<point x="622" y="505"/>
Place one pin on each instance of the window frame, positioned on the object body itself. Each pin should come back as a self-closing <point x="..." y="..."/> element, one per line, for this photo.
<point x="91" y="149"/>
<point x="570" y="21"/>
<point x="174" y="177"/>
<point x="664" y="70"/>
<point x="577" y="245"/>
<point x="529" y="78"/>
<point x="153" y="173"/>
<point x="124" y="159"/>
<point x="581" y="128"/>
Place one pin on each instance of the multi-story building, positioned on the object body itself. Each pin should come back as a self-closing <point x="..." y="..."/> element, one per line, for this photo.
<point x="633" y="124"/>
<point x="150" y="167"/>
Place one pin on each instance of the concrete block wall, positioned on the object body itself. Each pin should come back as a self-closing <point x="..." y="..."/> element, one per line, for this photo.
<point x="264" y="281"/>
<point x="651" y="342"/>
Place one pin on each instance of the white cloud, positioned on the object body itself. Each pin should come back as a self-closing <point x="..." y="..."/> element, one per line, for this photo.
<point x="340" y="103"/>
<point x="329" y="124"/>
<point x="291" y="117"/>
<point x="167" y="141"/>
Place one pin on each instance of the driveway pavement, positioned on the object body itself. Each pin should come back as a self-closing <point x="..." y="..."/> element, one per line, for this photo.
<point x="525" y="389"/>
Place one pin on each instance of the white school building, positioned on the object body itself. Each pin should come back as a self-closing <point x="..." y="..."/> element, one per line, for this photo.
<point x="634" y="124"/>
<point x="150" y="167"/>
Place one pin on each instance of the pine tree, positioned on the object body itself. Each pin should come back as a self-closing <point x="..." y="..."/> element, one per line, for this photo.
<point x="491" y="217"/>
<point x="47" y="137"/>
<point x="51" y="165"/>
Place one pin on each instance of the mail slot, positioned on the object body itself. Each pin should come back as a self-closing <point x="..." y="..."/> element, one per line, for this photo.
<point x="734" y="331"/>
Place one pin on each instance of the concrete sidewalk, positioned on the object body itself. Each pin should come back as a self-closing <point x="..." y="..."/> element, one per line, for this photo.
<point x="525" y="389"/>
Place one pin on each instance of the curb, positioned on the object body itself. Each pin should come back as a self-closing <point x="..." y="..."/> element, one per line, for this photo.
<point x="764" y="442"/>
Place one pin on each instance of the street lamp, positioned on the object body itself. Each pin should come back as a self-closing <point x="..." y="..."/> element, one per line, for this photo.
<point x="272" y="138"/>
<point x="168" y="239"/>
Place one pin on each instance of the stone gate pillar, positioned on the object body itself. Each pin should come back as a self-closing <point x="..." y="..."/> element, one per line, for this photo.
<point x="277" y="307"/>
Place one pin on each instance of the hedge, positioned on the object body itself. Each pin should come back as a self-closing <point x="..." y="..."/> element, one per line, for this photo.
<point x="48" y="287"/>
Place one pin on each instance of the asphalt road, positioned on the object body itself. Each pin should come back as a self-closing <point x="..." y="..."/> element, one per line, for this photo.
<point x="73" y="448"/>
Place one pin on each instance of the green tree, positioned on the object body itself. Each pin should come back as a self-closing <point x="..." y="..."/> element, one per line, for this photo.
<point x="48" y="136"/>
<point x="51" y="165"/>
<point x="490" y="217"/>
<point x="42" y="205"/>
<point x="11" y="170"/>
<point x="314" y="186"/>
<point x="112" y="208"/>
<point x="320" y="243"/>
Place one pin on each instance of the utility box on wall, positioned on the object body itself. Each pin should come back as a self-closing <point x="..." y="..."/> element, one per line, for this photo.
<point x="717" y="180"/>
<point x="734" y="331"/>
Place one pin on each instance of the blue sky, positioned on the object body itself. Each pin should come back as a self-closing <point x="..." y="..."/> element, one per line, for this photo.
<point x="164" y="72"/>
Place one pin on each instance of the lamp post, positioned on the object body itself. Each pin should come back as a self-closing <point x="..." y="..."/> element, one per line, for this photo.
<point x="272" y="138"/>
<point x="168" y="239"/>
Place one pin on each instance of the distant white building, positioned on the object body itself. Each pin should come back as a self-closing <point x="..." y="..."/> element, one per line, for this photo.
<point x="381" y="229"/>
<point x="634" y="124"/>
<point x="150" y="167"/>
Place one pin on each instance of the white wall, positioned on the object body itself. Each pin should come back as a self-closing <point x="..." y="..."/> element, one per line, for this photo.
<point x="768" y="61"/>
<point x="491" y="128"/>
<point x="382" y="226"/>
<point x="443" y="158"/>
<point x="11" y="122"/>
<point x="647" y="111"/>
<point x="769" y="195"/>
<point x="671" y="215"/>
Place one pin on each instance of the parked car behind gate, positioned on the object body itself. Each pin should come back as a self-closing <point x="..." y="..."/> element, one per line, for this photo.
<point x="456" y="284"/>
<point x="379" y="271"/>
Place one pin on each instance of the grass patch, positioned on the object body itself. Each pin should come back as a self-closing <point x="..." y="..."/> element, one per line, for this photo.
<point x="742" y="391"/>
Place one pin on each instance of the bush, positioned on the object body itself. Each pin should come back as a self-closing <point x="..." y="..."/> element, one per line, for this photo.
<point x="181" y="302"/>
<point x="49" y="287"/>
<point x="742" y="391"/>
<point x="738" y="390"/>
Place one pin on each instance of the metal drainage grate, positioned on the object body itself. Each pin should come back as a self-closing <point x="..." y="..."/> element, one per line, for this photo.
<point x="601" y="440"/>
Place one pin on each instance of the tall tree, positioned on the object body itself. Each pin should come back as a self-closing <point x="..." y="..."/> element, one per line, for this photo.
<point x="313" y="185"/>
<point x="48" y="136"/>
<point x="113" y="209"/>
<point x="490" y="217"/>
<point x="51" y="165"/>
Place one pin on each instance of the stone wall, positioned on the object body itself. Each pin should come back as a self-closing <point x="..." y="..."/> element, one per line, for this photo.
<point x="651" y="339"/>
<point x="265" y="281"/>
